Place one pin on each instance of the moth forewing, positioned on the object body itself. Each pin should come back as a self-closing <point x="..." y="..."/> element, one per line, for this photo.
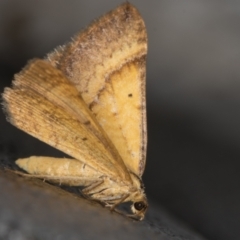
<point x="112" y="83"/>
<point x="32" y="112"/>
<point x="63" y="94"/>
<point x="128" y="114"/>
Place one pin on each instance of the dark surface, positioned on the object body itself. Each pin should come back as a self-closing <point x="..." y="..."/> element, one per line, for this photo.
<point x="193" y="92"/>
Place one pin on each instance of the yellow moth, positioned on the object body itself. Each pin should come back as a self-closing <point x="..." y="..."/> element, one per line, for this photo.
<point x="87" y="99"/>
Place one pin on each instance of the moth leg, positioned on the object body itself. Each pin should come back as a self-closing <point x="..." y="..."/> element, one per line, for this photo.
<point x="73" y="181"/>
<point x="94" y="191"/>
<point x="113" y="208"/>
<point x="22" y="174"/>
<point x="93" y="187"/>
<point x="124" y="214"/>
<point x="43" y="177"/>
<point x="121" y="200"/>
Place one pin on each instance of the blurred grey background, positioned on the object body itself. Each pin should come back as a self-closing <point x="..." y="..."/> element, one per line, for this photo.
<point x="193" y="94"/>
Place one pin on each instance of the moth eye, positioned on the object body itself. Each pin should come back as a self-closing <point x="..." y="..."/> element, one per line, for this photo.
<point x="139" y="206"/>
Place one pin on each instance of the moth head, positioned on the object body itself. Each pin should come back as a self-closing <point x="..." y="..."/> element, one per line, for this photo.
<point x="138" y="198"/>
<point x="139" y="208"/>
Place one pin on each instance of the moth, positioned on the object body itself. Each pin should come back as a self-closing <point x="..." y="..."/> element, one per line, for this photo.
<point x="87" y="99"/>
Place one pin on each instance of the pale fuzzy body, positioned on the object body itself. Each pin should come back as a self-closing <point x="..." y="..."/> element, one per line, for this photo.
<point x="64" y="171"/>
<point x="87" y="99"/>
